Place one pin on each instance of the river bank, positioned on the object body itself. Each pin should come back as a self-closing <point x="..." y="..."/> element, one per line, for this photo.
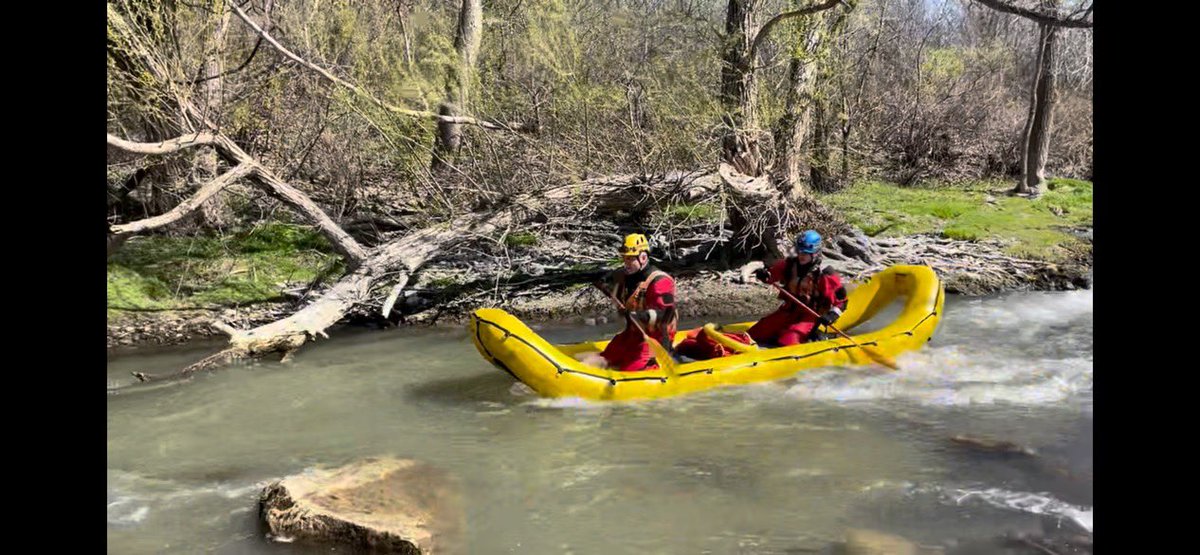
<point x="971" y="268"/>
<point x="169" y="290"/>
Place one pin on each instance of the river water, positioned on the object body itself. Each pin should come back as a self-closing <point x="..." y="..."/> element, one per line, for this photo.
<point x="783" y="467"/>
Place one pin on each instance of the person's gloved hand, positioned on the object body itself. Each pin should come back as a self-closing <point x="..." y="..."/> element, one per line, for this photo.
<point x="828" y="318"/>
<point x="763" y="275"/>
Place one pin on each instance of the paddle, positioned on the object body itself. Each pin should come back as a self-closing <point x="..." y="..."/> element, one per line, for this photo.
<point x="660" y="353"/>
<point x="875" y="355"/>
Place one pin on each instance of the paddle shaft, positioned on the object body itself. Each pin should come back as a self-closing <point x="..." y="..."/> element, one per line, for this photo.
<point x="621" y="306"/>
<point x="661" y="353"/>
<point x="876" y="356"/>
<point x="813" y="312"/>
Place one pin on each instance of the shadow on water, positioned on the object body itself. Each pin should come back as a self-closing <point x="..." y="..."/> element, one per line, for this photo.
<point x="490" y="386"/>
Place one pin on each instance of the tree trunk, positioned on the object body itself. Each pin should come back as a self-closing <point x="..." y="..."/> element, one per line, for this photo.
<point x="796" y="124"/>
<point x="740" y="142"/>
<point x="793" y="127"/>
<point x="820" y="169"/>
<point x="214" y="213"/>
<point x="762" y="216"/>
<point x="458" y="82"/>
<point x="845" y="128"/>
<point x="789" y="136"/>
<point x="1036" y="138"/>
<point x="819" y="173"/>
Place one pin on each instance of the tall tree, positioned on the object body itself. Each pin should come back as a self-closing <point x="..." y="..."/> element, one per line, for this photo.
<point x="742" y="40"/>
<point x="458" y="82"/>
<point x="213" y="212"/>
<point x="1035" y="139"/>
<point x="820" y="173"/>
<point x="793" y="126"/>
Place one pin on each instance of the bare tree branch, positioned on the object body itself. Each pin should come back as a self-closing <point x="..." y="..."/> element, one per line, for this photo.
<point x="465" y="120"/>
<point x="199" y="80"/>
<point x="257" y="44"/>
<point x="766" y="28"/>
<point x="1052" y="18"/>
<point x="165" y="147"/>
<point x="342" y="242"/>
<point x="187" y="206"/>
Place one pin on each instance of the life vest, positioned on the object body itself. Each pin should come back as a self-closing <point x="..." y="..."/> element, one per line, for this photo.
<point x="804" y="287"/>
<point x="635" y="299"/>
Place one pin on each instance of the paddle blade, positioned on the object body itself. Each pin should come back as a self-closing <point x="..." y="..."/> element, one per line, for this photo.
<point x="881" y="358"/>
<point x="662" y="356"/>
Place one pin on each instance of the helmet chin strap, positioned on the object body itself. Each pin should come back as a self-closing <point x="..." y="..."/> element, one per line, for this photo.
<point x="641" y="265"/>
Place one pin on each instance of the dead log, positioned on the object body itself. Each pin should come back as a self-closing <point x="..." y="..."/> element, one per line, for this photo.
<point x="401" y="258"/>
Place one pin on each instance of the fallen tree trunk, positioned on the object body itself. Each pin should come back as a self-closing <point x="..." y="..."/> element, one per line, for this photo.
<point x="164" y="147"/>
<point x="188" y="205"/>
<point x="401" y="258"/>
<point x="405" y="255"/>
<point x="392" y="265"/>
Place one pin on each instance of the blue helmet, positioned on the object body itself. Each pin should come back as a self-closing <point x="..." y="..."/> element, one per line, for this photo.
<point x="808" y="242"/>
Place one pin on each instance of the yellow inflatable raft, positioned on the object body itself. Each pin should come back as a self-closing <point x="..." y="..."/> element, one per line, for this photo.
<point x="553" y="371"/>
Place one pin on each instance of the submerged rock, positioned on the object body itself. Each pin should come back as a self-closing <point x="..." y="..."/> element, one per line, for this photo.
<point x="860" y="541"/>
<point x="992" y="445"/>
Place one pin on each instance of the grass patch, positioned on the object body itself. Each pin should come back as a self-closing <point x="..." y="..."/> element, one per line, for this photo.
<point x="520" y="239"/>
<point x="687" y="213"/>
<point x="960" y="234"/>
<point x="131" y="289"/>
<point x="254" y="265"/>
<point x="1035" y="229"/>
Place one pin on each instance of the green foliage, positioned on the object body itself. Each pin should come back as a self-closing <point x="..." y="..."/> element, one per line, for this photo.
<point x="520" y="239"/>
<point x="943" y="64"/>
<point x="689" y="213"/>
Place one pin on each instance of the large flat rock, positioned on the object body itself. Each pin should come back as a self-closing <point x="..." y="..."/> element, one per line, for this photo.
<point x="383" y="505"/>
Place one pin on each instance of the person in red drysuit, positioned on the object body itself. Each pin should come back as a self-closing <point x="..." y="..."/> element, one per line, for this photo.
<point x="819" y="288"/>
<point x="649" y="296"/>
